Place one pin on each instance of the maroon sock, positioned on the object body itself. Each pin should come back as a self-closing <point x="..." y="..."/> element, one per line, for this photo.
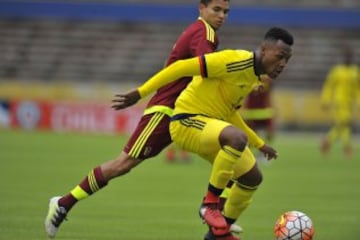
<point x="92" y="183"/>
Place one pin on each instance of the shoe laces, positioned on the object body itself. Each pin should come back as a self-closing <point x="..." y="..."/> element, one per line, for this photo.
<point x="59" y="216"/>
<point x="212" y="209"/>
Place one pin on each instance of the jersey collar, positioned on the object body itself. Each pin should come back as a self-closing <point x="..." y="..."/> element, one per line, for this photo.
<point x="205" y="22"/>
<point x="256" y="69"/>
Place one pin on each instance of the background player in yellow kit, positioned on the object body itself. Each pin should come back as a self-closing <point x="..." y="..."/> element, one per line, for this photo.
<point x="206" y="120"/>
<point x="339" y="95"/>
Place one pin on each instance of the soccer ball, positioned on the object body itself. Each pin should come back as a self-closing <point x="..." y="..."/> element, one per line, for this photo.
<point x="294" y="225"/>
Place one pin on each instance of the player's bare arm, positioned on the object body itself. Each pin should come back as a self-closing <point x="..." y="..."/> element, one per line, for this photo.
<point x="122" y="101"/>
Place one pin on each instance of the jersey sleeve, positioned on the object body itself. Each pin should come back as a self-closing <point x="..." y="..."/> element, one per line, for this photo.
<point x="213" y="65"/>
<point x="179" y="69"/>
<point x="253" y="138"/>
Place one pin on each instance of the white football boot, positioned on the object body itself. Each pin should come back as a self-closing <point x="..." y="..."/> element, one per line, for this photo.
<point x="234" y="228"/>
<point x="56" y="215"/>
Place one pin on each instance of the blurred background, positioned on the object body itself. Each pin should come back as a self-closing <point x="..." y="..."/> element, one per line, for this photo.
<point x="61" y="62"/>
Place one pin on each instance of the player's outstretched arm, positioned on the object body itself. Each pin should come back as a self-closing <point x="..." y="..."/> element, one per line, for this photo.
<point x="239" y="122"/>
<point x="179" y="69"/>
<point x="122" y="101"/>
<point x="254" y="139"/>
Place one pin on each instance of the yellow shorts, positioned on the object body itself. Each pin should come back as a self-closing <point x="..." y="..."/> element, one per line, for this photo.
<point x="342" y="113"/>
<point x="200" y="135"/>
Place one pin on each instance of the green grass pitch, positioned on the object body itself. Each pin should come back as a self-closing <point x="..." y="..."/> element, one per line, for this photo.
<point x="159" y="201"/>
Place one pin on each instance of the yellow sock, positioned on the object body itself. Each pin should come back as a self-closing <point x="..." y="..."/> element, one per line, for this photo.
<point x="239" y="199"/>
<point x="223" y="166"/>
<point x="79" y="193"/>
<point x="225" y="193"/>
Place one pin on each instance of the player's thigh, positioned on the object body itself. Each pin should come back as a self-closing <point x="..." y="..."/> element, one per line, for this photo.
<point x="246" y="162"/>
<point x="150" y="137"/>
<point x="198" y="134"/>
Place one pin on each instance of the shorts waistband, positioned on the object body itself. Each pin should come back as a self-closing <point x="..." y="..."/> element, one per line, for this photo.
<point x="181" y="116"/>
<point x="159" y="108"/>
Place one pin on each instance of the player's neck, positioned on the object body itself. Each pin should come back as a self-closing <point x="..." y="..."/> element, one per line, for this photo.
<point x="257" y="63"/>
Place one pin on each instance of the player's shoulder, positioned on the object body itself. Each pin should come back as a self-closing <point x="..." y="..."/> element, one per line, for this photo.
<point x="244" y="53"/>
<point x="201" y="27"/>
<point x="229" y="56"/>
<point x="337" y="69"/>
<point x="237" y="53"/>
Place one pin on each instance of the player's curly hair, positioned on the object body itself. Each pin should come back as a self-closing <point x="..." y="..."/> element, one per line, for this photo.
<point x="276" y="33"/>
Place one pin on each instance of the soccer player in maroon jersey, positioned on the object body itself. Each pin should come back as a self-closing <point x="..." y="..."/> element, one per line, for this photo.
<point x="152" y="133"/>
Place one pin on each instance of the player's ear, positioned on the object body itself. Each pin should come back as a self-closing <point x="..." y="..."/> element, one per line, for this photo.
<point x="201" y="7"/>
<point x="263" y="48"/>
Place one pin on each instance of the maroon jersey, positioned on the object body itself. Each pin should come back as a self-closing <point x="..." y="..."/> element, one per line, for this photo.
<point x="198" y="39"/>
<point x="258" y="111"/>
<point x="152" y="135"/>
<point x="259" y="99"/>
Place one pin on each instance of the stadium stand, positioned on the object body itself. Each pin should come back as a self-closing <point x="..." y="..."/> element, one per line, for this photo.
<point x="96" y="51"/>
<point x="118" y="51"/>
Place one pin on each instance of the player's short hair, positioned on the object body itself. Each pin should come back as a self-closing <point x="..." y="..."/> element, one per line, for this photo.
<point x="206" y="2"/>
<point x="276" y="33"/>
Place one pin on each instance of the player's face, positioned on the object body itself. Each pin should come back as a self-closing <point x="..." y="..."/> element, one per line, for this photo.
<point x="215" y="13"/>
<point x="275" y="56"/>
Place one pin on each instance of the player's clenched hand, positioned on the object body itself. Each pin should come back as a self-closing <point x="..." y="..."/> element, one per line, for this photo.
<point x="122" y="101"/>
<point x="268" y="152"/>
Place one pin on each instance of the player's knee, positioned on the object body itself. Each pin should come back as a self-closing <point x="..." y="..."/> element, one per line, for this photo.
<point x="238" y="141"/>
<point x="234" y="138"/>
<point x="257" y="180"/>
<point x="251" y="179"/>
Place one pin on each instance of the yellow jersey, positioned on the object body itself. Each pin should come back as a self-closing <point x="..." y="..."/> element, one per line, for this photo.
<point x="220" y="83"/>
<point x="227" y="77"/>
<point x="341" y="85"/>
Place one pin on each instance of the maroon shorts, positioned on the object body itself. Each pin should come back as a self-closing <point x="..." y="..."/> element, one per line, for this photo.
<point x="150" y="137"/>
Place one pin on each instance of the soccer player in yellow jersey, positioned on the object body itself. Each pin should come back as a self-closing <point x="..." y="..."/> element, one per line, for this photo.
<point x="206" y="120"/>
<point x="339" y="94"/>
